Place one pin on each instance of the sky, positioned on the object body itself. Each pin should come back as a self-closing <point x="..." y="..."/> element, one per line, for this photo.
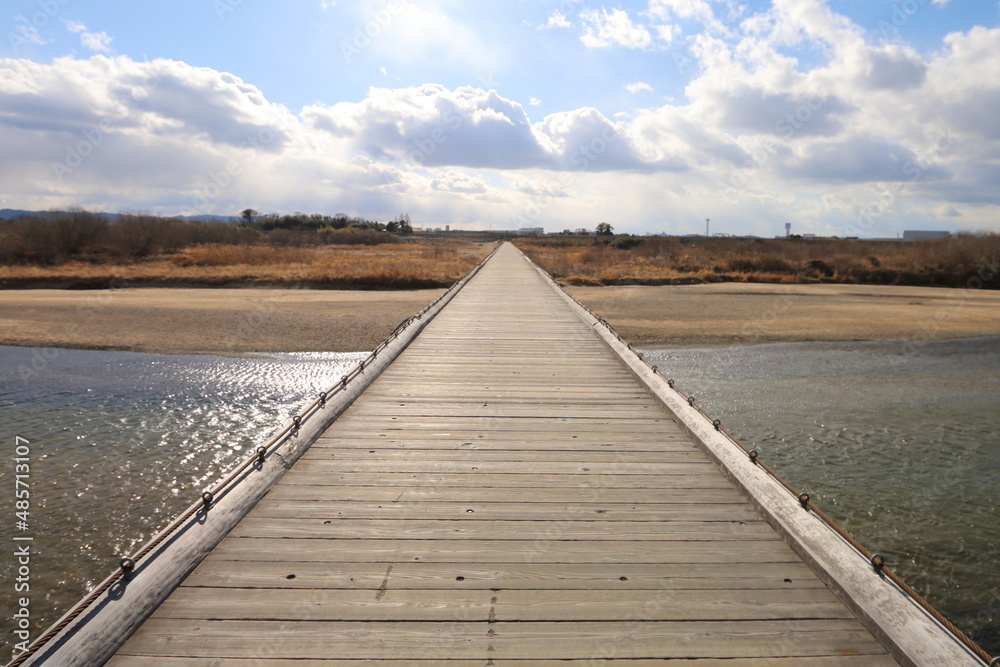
<point x="841" y="117"/>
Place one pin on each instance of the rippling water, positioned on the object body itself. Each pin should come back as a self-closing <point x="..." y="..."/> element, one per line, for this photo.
<point x="120" y="443"/>
<point x="899" y="444"/>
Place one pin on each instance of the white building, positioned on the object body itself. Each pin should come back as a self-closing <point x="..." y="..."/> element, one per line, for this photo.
<point x="920" y="235"/>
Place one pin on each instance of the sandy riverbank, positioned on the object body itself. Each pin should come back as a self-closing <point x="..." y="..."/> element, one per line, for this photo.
<point x="747" y="314"/>
<point x="236" y="321"/>
<point x="207" y="320"/>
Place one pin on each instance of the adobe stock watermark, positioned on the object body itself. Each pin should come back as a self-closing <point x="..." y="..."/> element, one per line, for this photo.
<point x="93" y="138"/>
<point x="989" y="269"/>
<point x="914" y="170"/>
<point x="787" y="126"/>
<point x="720" y="22"/>
<point x="86" y="312"/>
<point x="582" y="157"/>
<point x="28" y="26"/>
<point x="22" y="545"/>
<point x="899" y="15"/>
<point x="219" y="181"/>
<point x="225" y="7"/>
<point x="369" y="31"/>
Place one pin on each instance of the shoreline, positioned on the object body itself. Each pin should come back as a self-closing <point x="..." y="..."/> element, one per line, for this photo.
<point x="240" y="321"/>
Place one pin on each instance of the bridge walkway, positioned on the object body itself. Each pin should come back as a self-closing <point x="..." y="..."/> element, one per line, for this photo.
<point x="506" y="492"/>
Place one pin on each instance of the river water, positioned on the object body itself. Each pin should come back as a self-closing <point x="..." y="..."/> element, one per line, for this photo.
<point x="898" y="443"/>
<point x="119" y="443"/>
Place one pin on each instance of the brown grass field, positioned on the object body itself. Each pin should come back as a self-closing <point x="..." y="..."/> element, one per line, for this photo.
<point x="688" y="260"/>
<point x="409" y="265"/>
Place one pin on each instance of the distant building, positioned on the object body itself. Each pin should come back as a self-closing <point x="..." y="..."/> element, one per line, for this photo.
<point x="920" y="235"/>
<point x="530" y="231"/>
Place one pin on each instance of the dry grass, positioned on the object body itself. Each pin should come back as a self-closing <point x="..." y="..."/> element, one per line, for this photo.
<point x="672" y="260"/>
<point x="410" y="265"/>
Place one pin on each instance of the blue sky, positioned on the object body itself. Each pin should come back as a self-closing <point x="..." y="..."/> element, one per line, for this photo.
<point x="848" y="117"/>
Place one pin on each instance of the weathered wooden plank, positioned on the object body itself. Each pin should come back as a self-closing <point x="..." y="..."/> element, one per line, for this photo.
<point x="542" y="548"/>
<point x="525" y="641"/>
<point x="508" y="440"/>
<point x="814" y="661"/>
<point x="511" y="480"/>
<point x="390" y="604"/>
<point x="622" y="466"/>
<point x="589" y="494"/>
<point x="391" y="456"/>
<point x="217" y="572"/>
<point x="472" y="528"/>
<point x="611" y="512"/>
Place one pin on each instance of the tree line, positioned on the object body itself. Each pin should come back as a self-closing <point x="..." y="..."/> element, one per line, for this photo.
<point x="77" y="234"/>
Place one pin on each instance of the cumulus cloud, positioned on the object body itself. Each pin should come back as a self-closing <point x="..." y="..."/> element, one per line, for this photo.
<point x="139" y="130"/>
<point x="861" y="159"/>
<point x="893" y="67"/>
<point x="786" y="114"/>
<point x="615" y="28"/>
<point x="432" y="126"/>
<point x="792" y="94"/>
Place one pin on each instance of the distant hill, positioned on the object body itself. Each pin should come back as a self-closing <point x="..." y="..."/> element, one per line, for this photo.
<point x="10" y="213"/>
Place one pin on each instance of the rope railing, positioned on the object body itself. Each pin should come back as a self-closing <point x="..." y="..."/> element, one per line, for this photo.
<point x="877" y="561"/>
<point x="128" y="564"/>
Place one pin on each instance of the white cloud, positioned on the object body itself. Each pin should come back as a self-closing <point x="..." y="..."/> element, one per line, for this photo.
<point x="132" y="132"/>
<point x="688" y="9"/>
<point x="639" y="87"/>
<point x="534" y="101"/>
<point x="454" y="181"/>
<point x="809" y="133"/>
<point x="666" y="32"/>
<point x="432" y="126"/>
<point x="604" y="28"/>
<point x="700" y="11"/>
<point x="95" y="41"/>
<point x="556" y="20"/>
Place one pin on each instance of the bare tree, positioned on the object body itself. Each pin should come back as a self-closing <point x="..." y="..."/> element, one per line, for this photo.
<point x="247" y="216"/>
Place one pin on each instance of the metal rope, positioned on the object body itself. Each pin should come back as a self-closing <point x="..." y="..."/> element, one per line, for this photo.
<point x="803" y="498"/>
<point x="204" y="503"/>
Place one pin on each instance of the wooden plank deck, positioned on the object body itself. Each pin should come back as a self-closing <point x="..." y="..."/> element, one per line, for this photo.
<point x="506" y="492"/>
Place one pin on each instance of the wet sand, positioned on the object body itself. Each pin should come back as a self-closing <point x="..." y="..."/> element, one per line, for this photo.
<point x="238" y="321"/>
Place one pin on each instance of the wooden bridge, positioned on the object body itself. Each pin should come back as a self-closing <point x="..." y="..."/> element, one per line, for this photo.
<point x="512" y="490"/>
